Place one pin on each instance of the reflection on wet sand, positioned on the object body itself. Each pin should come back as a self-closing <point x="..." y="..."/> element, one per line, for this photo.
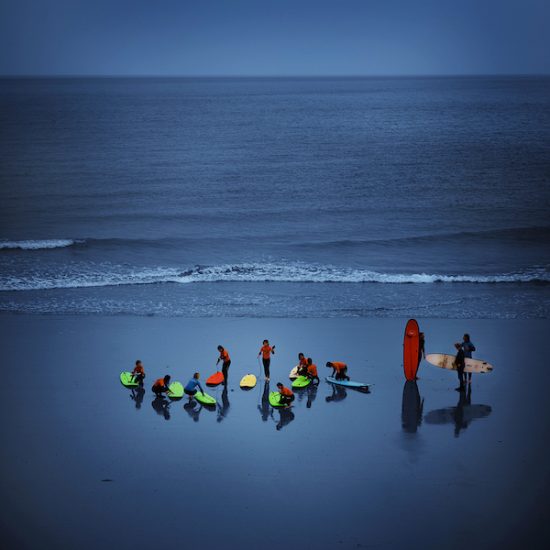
<point x="311" y="394"/>
<point x="338" y="393"/>
<point x="265" y="407"/>
<point x="461" y="415"/>
<point x="161" y="406"/>
<point x="286" y="416"/>
<point x="223" y="409"/>
<point x="411" y="407"/>
<point x="137" y="395"/>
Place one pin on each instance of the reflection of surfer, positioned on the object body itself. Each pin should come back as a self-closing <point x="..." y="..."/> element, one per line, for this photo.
<point x="311" y="394"/>
<point x="161" y="406"/>
<point x="192" y="410"/>
<point x="137" y="396"/>
<point x="286" y="417"/>
<point x="338" y="393"/>
<point x="265" y="408"/>
<point x="223" y="409"/>
<point x="465" y="398"/>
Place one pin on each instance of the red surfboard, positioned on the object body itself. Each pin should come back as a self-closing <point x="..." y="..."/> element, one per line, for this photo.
<point x="215" y="379"/>
<point x="411" y="345"/>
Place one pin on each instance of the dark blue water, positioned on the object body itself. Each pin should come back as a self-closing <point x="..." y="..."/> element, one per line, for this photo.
<point x="276" y="197"/>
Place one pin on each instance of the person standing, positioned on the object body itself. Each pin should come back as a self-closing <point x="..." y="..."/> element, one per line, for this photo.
<point x="468" y="348"/>
<point x="265" y="351"/>
<point x="460" y="364"/>
<point x="421" y="349"/>
<point x="226" y="362"/>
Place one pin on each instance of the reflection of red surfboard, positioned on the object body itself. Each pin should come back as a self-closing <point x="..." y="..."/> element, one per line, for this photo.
<point x="411" y="345"/>
<point x="215" y="379"/>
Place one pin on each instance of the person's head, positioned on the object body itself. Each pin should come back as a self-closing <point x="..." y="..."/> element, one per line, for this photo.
<point x="220" y="348"/>
<point x="329" y="364"/>
<point x="466" y="337"/>
<point x="279" y="385"/>
<point x="300" y="356"/>
<point x="457" y="346"/>
<point x="196" y="376"/>
<point x="309" y="361"/>
<point x="138" y="363"/>
<point x="266" y="342"/>
<point x="167" y="379"/>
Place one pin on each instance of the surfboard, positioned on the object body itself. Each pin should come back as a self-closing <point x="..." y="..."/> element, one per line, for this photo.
<point x="205" y="399"/>
<point x="445" y="361"/>
<point x="127" y="380"/>
<point x="275" y="399"/>
<point x="248" y="381"/>
<point x="294" y="373"/>
<point x="348" y="383"/>
<point x="215" y="379"/>
<point x="301" y="382"/>
<point x="175" y="390"/>
<point x="411" y="346"/>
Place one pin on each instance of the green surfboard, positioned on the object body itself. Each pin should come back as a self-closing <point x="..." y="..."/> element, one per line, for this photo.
<point x="301" y="382"/>
<point x="204" y="398"/>
<point x="275" y="399"/>
<point x="175" y="390"/>
<point x="128" y="380"/>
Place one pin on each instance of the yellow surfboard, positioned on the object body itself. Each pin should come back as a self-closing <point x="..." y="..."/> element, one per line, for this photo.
<point x="248" y="381"/>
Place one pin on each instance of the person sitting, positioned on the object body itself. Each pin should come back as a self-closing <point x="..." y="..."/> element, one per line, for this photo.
<point x="191" y="387"/>
<point x="339" y="370"/>
<point x="287" y="397"/>
<point x="312" y="370"/>
<point x="161" y="385"/>
<point x="138" y="373"/>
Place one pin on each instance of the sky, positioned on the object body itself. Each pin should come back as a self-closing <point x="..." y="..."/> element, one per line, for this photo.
<point x="274" y="37"/>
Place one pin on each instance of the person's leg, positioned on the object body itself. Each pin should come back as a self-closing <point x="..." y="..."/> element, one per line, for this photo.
<point x="266" y="367"/>
<point x="345" y="374"/>
<point x="225" y="369"/>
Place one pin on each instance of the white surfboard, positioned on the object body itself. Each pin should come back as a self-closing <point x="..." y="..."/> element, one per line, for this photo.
<point x="444" y="361"/>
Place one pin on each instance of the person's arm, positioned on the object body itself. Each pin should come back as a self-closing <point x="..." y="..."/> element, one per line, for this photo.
<point x="200" y="388"/>
<point x="273" y="350"/>
<point x="333" y="372"/>
<point x="218" y="360"/>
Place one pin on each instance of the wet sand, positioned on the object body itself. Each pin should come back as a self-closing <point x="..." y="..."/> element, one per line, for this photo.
<point x="88" y="464"/>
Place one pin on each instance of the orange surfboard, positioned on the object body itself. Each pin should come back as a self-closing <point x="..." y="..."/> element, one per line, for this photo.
<point x="215" y="379"/>
<point x="411" y="346"/>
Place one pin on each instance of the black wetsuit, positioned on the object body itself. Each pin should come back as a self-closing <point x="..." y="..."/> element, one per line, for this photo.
<point x="460" y="365"/>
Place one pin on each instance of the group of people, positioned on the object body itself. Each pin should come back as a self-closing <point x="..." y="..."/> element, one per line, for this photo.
<point x="464" y="350"/>
<point x="305" y="368"/>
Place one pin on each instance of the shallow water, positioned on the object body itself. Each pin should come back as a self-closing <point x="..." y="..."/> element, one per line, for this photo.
<point x="88" y="464"/>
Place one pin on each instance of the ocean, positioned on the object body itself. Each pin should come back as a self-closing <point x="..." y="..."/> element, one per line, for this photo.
<point x="276" y="197"/>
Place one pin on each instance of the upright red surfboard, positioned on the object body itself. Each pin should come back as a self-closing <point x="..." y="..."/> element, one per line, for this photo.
<point x="215" y="379"/>
<point x="411" y="345"/>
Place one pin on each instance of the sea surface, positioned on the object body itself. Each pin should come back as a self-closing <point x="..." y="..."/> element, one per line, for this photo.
<point x="276" y="197"/>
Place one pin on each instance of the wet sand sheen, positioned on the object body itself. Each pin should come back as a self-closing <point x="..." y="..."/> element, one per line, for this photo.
<point x="86" y="463"/>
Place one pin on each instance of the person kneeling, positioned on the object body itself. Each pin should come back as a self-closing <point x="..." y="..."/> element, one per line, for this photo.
<point x="138" y="373"/>
<point x="312" y="370"/>
<point x="161" y="385"/>
<point x="339" y="370"/>
<point x="287" y="397"/>
<point x="191" y="387"/>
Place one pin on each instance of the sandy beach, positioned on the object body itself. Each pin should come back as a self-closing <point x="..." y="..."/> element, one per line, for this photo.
<point x="86" y="465"/>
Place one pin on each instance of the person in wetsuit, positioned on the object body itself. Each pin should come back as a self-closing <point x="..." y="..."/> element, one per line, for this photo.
<point x="226" y="362"/>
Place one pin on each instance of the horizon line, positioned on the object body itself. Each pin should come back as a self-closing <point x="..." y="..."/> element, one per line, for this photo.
<point x="267" y="76"/>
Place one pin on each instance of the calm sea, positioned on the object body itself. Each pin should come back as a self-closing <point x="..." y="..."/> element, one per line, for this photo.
<point x="387" y="197"/>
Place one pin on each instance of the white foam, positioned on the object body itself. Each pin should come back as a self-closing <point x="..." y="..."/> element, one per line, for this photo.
<point x="42" y="244"/>
<point x="109" y="275"/>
